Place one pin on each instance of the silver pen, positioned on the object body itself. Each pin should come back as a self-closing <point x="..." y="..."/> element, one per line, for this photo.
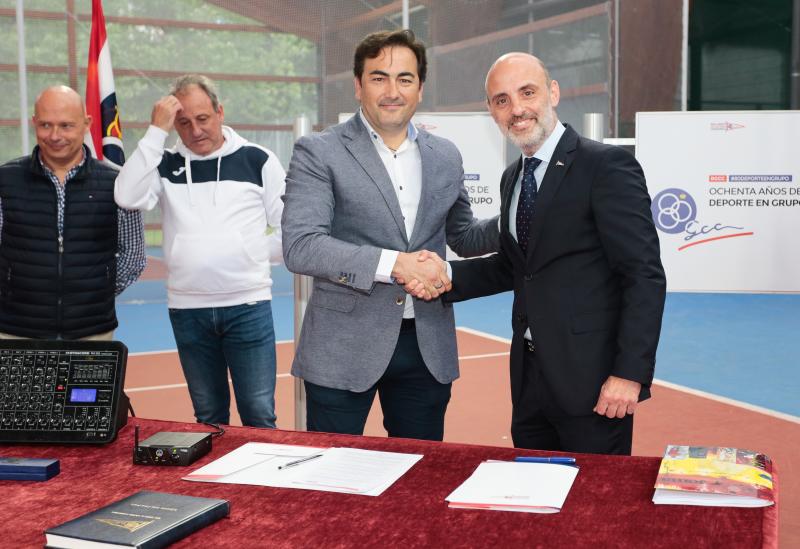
<point x="299" y="461"/>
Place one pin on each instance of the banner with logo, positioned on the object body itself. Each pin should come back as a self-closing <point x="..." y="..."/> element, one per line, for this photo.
<point x="105" y="134"/>
<point x="482" y="149"/>
<point x="726" y="197"/>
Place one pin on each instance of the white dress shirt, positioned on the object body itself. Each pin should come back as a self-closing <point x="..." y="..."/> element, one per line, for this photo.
<point x="404" y="167"/>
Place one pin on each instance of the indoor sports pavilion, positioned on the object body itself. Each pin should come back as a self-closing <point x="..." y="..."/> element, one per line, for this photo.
<point x="705" y="93"/>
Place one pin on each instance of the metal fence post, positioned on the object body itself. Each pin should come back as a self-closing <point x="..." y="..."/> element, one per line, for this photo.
<point x="302" y="293"/>
<point x="22" y="70"/>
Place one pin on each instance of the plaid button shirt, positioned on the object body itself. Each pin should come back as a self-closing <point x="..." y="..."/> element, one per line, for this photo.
<point x="131" y="255"/>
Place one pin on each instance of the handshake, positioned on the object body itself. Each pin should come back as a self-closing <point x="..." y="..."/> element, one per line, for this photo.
<point x="423" y="274"/>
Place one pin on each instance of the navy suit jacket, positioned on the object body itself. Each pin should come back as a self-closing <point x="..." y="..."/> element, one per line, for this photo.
<point x="591" y="287"/>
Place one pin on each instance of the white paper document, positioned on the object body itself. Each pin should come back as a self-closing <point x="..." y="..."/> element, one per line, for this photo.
<point x="344" y="470"/>
<point x="515" y="486"/>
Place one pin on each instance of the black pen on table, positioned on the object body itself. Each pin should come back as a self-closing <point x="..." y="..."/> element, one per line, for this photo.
<point x="299" y="461"/>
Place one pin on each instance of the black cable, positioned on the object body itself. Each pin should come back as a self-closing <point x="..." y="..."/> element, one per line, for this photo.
<point x="128" y="404"/>
<point x="220" y="430"/>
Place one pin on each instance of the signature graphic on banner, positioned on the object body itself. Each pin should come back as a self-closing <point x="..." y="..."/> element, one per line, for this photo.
<point x="426" y="127"/>
<point x="675" y="212"/>
<point x="726" y="126"/>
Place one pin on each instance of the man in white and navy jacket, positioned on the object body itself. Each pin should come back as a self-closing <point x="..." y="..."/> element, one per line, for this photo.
<point x="220" y="198"/>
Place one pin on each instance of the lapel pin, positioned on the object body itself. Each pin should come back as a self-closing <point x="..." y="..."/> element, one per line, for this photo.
<point x="559" y="163"/>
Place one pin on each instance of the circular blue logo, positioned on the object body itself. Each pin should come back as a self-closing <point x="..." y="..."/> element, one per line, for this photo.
<point x="672" y="210"/>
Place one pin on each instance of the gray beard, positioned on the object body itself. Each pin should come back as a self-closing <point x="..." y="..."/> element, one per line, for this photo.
<point x="532" y="141"/>
<point x="537" y="135"/>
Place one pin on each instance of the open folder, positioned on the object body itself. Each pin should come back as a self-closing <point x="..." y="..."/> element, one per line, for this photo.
<point x="515" y="486"/>
<point x="344" y="470"/>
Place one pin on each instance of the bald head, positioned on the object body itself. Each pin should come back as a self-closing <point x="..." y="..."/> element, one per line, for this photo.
<point x="520" y="59"/>
<point x="60" y="96"/>
<point x="522" y="99"/>
<point x="60" y="120"/>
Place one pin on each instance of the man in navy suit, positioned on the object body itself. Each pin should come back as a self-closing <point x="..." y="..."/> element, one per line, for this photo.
<point x="579" y="249"/>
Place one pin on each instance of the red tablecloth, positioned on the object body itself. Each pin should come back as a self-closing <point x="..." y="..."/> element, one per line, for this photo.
<point x="609" y="504"/>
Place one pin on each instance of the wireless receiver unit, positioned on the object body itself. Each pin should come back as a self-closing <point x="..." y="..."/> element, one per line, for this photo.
<point x="167" y="448"/>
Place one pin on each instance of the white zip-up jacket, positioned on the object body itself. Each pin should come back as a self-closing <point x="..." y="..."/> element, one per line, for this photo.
<point x="216" y="211"/>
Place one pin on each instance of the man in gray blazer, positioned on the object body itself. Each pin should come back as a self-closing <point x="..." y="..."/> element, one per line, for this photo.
<point x="362" y="199"/>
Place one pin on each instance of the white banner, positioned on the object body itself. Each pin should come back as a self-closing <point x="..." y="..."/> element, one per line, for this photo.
<point x="726" y="197"/>
<point x="482" y="149"/>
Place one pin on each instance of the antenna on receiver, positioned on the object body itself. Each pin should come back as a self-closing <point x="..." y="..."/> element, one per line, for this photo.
<point x="135" y="443"/>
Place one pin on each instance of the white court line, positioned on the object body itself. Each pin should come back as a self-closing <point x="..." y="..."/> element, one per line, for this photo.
<point x="487" y="355"/>
<point x="154" y="388"/>
<point x="656" y="381"/>
<point x="165" y="351"/>
<point x="483" y="334"/>
<point x="673" y="386"/>
<point x="730" y="401"/>
<point x="145" y="353"/>
<point x="175" y="386"/>
<point x="182" y="385"/>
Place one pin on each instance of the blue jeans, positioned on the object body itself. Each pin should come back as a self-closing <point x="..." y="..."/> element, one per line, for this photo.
<point x="241" y="339"/>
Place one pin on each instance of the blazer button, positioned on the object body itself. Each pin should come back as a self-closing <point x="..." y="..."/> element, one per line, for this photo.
<point x="400" y="300"/>
<point x="528" y="277"/>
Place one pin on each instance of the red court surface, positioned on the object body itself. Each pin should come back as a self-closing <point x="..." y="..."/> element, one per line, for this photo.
<point x="480" y="412"/>
<point x="155" y="269"/>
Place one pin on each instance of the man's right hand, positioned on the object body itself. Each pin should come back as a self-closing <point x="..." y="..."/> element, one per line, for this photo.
<point x="164" y="112"/>
<point x="423" y="279"/>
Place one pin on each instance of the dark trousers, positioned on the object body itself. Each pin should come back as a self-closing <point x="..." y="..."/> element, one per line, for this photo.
<point x="538" y="423"/>
<point x="413" y="402"/>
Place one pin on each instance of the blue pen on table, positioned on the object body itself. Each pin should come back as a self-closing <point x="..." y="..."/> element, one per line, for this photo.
<point x="560" y="460"/>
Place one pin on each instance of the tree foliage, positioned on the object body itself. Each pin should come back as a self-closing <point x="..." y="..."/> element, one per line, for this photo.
<point x="167" y="48"/>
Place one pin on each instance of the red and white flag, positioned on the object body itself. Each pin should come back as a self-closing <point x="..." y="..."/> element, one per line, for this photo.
<point x="105" y="134"/>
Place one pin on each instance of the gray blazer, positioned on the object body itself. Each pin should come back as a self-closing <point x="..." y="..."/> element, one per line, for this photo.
<point x="340" y="211"/>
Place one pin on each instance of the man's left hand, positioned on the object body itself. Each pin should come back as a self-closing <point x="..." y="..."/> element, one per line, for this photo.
<point x="618" y="397"/>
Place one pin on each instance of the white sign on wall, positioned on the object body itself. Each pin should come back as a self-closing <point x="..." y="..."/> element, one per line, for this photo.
<point x="726" y="197"/>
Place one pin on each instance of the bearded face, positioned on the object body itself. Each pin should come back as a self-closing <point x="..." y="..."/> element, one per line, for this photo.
<point x="528" y="130"/>
<point x="522" y="101"/>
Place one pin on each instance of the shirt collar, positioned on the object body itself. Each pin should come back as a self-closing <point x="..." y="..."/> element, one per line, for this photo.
<point x="545" y="152"/>
<point x="70" y="173"/>
<point x="412" y="135"/>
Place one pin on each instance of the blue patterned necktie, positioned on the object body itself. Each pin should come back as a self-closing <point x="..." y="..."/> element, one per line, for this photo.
<point x="527" y="197"/>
